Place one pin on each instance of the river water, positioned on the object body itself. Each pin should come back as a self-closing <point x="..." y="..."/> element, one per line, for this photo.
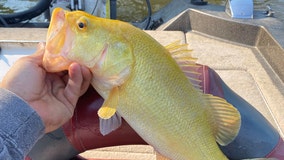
<point x="136" y="10"/>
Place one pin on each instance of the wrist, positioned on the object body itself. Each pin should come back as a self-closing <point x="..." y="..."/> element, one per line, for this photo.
<point x="18" y="119"/>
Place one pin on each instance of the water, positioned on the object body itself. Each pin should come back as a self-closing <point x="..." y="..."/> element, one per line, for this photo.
<point x="12" y="6"/>
<point x="136" y="10"/>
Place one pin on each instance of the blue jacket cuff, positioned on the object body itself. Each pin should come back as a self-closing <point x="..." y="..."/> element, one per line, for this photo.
<point x="20" y="125"/>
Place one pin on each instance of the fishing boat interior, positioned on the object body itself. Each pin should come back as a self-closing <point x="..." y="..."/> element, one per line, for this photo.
<point x="242" y="41"/>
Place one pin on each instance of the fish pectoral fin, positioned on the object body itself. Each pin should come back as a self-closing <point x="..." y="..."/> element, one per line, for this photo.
<point x="226" y="119"/>
<point x="108" y="108"/>
<point x="109" y="119"/>
<point x="106" y="112"/>
<point x="111" y="124"/>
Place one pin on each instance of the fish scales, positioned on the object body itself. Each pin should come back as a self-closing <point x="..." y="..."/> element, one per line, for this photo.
<point x="141" y="81"/>
<point x="155" y="101"/>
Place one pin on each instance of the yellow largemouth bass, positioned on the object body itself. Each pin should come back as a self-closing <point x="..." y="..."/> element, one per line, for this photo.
<point x="141" y="81"/>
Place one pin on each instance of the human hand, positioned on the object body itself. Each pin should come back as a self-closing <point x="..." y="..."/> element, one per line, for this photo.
<point x="52" y="95"/>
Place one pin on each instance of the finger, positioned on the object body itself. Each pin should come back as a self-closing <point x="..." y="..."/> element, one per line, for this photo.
<point x="73" y="88"/>
<point x="63" y="75"/>
<point x="40" y="50"/>
<point x="87" y="76"/>
<point x="56" y="83"/>
<point x="65" y="78"/>
<point x="37" y="57"/>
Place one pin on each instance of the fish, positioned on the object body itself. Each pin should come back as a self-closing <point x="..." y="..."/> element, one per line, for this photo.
<point x="153" y="87"/>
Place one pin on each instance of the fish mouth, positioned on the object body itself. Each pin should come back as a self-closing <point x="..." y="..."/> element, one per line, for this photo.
<point x="56" y="49"/>
<point x="56" y="27"/>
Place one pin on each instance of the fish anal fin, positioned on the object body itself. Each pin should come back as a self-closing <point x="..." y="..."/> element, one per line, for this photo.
<point x="108" y="108"/>
<point x="226" y="119"/>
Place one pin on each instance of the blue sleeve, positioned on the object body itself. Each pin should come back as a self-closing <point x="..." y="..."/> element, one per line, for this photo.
<point x="20" y="126"/>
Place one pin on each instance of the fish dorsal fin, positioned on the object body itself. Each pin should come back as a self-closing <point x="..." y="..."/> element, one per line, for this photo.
<point x="186" y="62"/>
<point x="225" y="117"/>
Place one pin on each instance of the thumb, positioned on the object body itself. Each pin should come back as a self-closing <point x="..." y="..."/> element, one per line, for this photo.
<point x="73" y="87"/>
<point x="38" y="55"/>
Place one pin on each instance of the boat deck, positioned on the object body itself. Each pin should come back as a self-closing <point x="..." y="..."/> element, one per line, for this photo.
<point x="247" y="56"/>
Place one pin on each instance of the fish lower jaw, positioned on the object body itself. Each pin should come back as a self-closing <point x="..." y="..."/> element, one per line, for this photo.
<point x="55" y="63"/>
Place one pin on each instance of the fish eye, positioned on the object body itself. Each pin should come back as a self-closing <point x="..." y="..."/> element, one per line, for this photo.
<point x="82" y="23"/>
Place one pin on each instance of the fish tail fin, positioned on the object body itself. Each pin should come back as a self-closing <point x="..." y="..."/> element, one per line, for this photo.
<point x="182" y="55"/>
<point x="225" y="118"/>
